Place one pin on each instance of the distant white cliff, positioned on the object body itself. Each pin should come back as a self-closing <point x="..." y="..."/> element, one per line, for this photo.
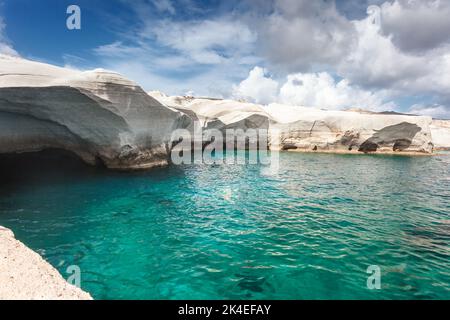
<point x="440" y="132"/>
<point x="311" y="129"/>
<point x="103" y="117"/>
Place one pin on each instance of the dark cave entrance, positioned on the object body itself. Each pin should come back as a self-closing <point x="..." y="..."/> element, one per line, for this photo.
<point x="55" y="165"/>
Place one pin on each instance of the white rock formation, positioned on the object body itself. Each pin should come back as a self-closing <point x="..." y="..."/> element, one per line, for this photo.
<point x="98" y="115"/>
<point x="310" y="129"/>
<point x="440" y="131"/>
<point x="24" y="275"/>
<point x="215" y="114"/>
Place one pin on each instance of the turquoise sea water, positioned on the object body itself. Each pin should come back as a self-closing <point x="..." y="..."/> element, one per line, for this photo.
<point x="234" y="232"/>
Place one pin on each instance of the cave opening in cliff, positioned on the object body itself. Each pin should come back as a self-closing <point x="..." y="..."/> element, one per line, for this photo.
<point x="42" y="166"/>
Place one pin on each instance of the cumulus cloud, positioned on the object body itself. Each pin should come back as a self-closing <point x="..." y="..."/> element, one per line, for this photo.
<point x="388" y="49"/>
<point x="319" y="90"/>
<point x="377" y="63"/>
<point x="5" y="45"/>
<point x="258" y="87"/>
<point x="417" y="25"/>
<point x="300" y="34"/>
<point x="322" y="91"/>
<point x="398" y="51"/>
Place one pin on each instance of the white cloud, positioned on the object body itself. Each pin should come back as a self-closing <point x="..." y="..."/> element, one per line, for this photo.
<point x="322" y="91"/>
<point x="205" y="41"/>
<point x="309" y="89"/>
<point x="435" y="111"/>
<point x="377" y="63"/>
<point x="147" y="73"/>
<point x="408" y="54"/>
<point x="5" y="46"/>
<point x="300" y="34"/>
<point x="417" y="25"/>
<point x="117" y="49"/>
<point x="205" y="56"/>
<point x="164" y="6"/>
<point x="257" y="87"/>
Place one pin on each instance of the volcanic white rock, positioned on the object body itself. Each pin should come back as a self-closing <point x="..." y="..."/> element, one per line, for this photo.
<point x="24" y="275"/>
<point x="99" y="115"/>
<point x="440" y="131"/>
<point x="311" y="129"/>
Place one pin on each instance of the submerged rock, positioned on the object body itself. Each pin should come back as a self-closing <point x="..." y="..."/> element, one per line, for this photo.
<point x="99" y="115"/>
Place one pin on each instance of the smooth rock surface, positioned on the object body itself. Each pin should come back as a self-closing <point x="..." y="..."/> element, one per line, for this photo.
<point x="440" y="131"/>
<point x="311" y="129"/>
<point x="99" y="115"/>
<point x="24" y="275"/>
<point x="217" y="113"/>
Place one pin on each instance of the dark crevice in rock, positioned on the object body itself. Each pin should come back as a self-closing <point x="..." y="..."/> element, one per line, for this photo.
<point x="368" y="146"/>
<point x="399" y="135"/>
<point x="289" y="147"/>
<point x="401" y="144"/>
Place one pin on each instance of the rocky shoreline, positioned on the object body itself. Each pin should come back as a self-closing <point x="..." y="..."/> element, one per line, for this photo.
<point x="106" y="119"/>
<point x="315" y="130"/>
<point x="109" y="120"/>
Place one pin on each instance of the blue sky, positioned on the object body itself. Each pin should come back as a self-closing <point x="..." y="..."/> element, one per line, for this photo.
<point x="38" y="28"/>
<point x="321" y="53"/>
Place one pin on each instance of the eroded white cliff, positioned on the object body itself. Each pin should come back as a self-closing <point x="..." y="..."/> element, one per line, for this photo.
<point x="97" y="114"/>
<point x="440" y="132"/>
<point x="310" y="129"/>
<point x="101" y="116"/>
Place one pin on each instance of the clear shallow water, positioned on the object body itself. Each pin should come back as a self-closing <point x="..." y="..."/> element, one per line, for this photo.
<point x="233" y="232"/>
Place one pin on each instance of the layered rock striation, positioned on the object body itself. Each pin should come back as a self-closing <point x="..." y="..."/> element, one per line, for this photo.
<point x="311" y="129"/>
<point x="99" y="115"/>
<point x="105" y="118"/>
<point x="440" y="132"/>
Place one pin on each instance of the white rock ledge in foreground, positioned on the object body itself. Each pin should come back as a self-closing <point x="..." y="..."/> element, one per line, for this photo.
<point x="24" y="275"/>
